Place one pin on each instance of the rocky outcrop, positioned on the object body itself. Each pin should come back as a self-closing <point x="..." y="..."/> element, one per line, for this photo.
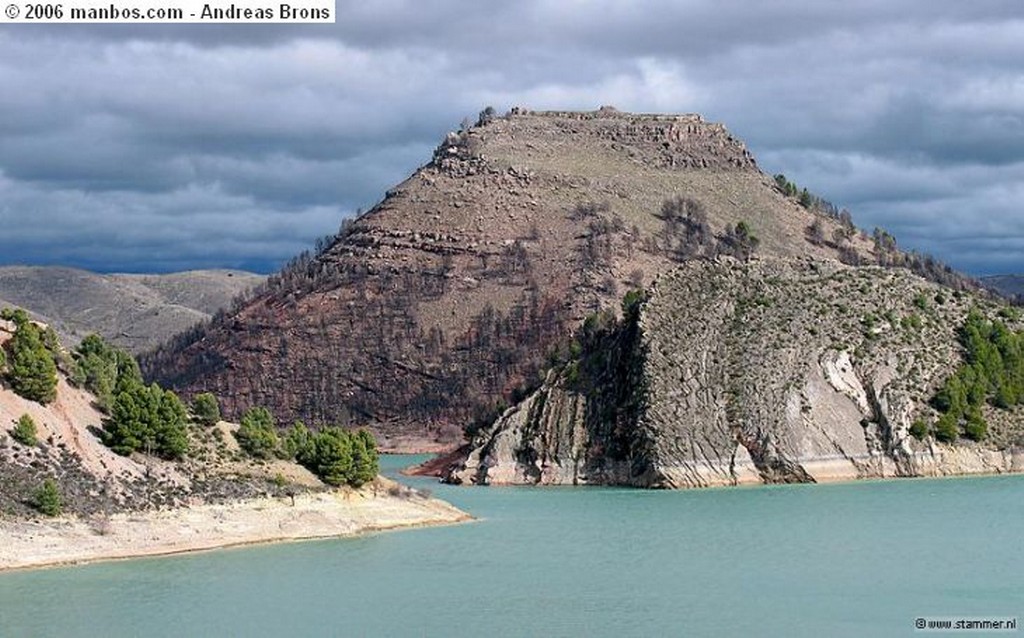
<point x="434" y="306"/>
<point x="732" y="373"/>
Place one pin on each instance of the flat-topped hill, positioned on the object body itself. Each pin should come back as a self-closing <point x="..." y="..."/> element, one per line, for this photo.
<point x="443" y="301"/>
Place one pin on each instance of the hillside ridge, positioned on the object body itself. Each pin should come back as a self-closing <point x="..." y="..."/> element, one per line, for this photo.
<point x="134" y="311"/>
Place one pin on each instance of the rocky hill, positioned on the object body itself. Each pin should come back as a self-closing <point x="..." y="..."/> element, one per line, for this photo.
<point x="443" y="301"/>
<point x="136" y="312"/>
<point x="772" y="370"/>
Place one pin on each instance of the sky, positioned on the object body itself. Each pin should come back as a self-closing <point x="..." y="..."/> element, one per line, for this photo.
<point x="151" y="148"/>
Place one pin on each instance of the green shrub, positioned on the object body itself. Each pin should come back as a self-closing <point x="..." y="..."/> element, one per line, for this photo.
<point x="25" y="431"/>
<point x="787" y="187"/>
<point x="976" y="428"/>
<point x="631" y="302"/>
<point x="575" y="349"/>
<point x="912" y="322"/>
<point x="206" y="409"/>
<point x="47" y="498"/>
<point x="919" y="429"/>
<point x="257" y="433"/>
<point x="572" y="374"/>
<point x="744" y="238"/>
<point x="947" y="429"/>
<point x="1009" y="313"/>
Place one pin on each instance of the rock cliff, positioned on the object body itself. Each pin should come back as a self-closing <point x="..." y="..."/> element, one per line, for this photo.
<point x="732" y="372"/>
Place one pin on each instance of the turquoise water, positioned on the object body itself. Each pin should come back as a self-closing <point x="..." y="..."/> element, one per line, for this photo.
<point x="861" y="559"/>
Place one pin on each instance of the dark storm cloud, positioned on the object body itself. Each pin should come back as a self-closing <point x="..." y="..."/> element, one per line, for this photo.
<point x="162" y="147"/>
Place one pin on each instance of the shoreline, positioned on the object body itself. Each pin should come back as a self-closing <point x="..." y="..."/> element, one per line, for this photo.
<point x="944" y="462"/>
<point x="752" y="485"/>
<point x="66" y="542"/>
<point x="228" y="546"/>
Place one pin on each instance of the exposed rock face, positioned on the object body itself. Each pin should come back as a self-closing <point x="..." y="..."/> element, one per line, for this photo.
<point x="768" y="371"/>
<point x="446" y="296"/>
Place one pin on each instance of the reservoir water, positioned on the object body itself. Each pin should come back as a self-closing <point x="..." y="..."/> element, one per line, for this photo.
<point x="860" y="559"/>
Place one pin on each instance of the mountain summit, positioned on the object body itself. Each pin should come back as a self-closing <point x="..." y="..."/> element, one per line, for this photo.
<point x="446" y="300"/>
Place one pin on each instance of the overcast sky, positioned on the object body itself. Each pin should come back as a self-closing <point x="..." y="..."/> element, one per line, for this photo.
<point x="125" y="148"/>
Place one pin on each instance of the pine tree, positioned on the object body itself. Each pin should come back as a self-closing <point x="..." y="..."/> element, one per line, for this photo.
<point x="206" y="409"/>
<point x="919" y="429"/>
<point x="947" y="429"/>
<point x="333" y="456"/>
<point x="170" y="424"/>
<point x="976" y="428"/>
<point x="124" y="430"/>
<point x="806" y="200"/>
<point x="364" y="459"/>
<point x="298" y="443"/>
<point x="993" y="373"/>
<point x="25" y="431"/>
<point x="257" y="433"/>
<point x="147" y="419"/>
<point x="47" y="498"/>
<point x="31" y="370"/>
<point x="97" y="369"/>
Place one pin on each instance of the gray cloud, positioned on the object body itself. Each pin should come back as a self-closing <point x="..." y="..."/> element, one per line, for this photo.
<point x="164" y="146"/>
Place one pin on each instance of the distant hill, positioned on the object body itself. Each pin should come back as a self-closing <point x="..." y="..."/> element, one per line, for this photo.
<point x="136" y="312"/>
<point x="1006" y="285"/>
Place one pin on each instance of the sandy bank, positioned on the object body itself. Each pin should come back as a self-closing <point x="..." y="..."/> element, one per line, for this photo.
<point x="202" y="527"/>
